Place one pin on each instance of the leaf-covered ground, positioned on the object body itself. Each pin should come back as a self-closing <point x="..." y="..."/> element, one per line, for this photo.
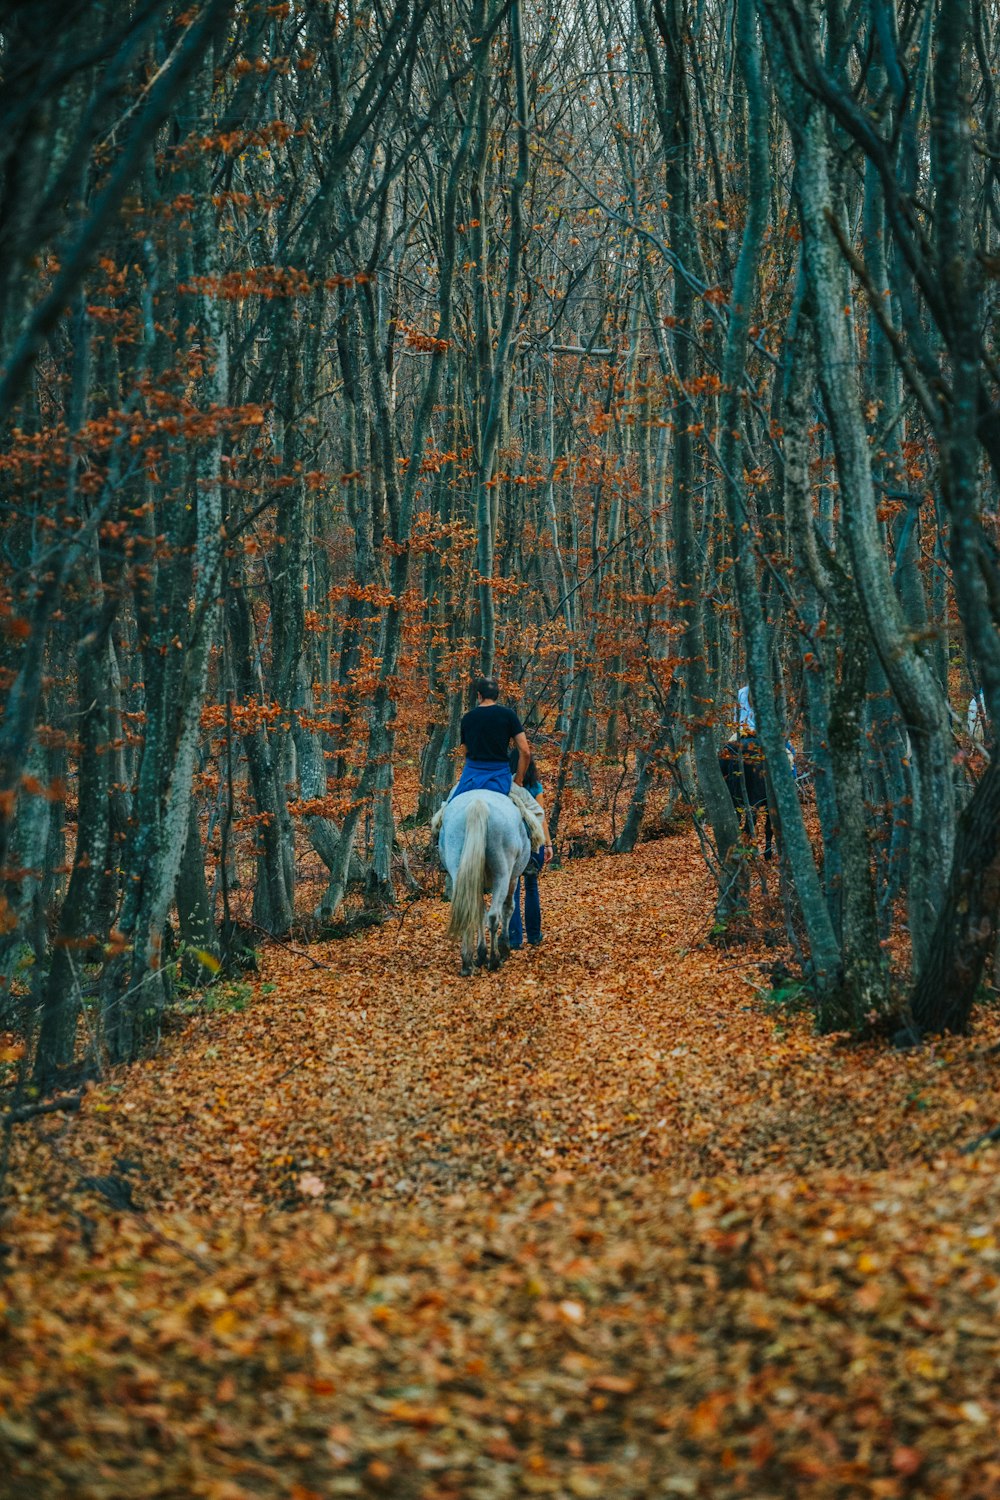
<point x="604" y="1224"/>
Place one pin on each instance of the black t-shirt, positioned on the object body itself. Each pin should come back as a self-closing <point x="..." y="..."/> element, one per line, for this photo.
<point x="488" y="730"/>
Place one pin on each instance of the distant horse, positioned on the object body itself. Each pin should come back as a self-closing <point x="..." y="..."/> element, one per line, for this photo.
<point x="484" y="847"/>
<point x="741" y="762"/>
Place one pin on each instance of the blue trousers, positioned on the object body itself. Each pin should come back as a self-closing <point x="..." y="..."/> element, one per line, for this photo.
<point x="483" y="776"/>
<point x="532" y="905"/>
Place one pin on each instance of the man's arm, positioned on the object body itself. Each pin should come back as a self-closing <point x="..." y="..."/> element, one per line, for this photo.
<point x="523" y="756"/>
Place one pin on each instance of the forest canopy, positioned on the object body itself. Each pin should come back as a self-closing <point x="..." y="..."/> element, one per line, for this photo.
<point x="632" y="352"/>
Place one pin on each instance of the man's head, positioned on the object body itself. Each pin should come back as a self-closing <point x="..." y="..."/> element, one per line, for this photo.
<point x="486" y="689"/>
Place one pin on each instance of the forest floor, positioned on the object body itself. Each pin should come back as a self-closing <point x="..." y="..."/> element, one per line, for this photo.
<point x="606" y="1224"/>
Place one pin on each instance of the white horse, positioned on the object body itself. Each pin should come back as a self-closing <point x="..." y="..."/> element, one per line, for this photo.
<point x="484" y="847"/>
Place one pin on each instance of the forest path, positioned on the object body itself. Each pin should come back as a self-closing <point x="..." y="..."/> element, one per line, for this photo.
<point x="602" y="1224"/>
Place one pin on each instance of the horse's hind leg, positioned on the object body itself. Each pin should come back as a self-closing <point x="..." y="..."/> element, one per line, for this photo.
<point x="501" y="910"/>
<point x="506" y="912"/>
<point x="496" y="954"/>
<point x="503" y="937"/>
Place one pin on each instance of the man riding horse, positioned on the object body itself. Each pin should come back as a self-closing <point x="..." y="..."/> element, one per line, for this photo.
<point x="482" y="839"/>
<point x="744" y="769"/>
<point x="487" y="732"/>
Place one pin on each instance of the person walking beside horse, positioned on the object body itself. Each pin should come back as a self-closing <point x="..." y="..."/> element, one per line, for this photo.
<point x="532" y="926"/>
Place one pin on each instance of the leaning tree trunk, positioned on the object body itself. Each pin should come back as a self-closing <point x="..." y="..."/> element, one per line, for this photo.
<point x="135" y="992"/>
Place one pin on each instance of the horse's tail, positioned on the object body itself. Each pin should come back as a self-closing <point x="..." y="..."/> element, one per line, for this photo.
<point x="466" y="918"/>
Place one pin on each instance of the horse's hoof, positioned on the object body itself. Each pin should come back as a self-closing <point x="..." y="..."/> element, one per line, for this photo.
<point x="466" y="971"/>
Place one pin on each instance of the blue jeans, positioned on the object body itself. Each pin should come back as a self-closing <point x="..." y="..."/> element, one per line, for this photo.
<point x="532" y="905"/>
<point x="483" y="776"/>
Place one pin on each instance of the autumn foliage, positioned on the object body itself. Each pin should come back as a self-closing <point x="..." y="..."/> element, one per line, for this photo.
<point x="643" y="355"/>
<point x="573" y="1230"/>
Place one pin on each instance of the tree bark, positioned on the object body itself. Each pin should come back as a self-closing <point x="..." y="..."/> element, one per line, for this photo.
<point x="965" y="933"/>
<point x="914" y="685"/>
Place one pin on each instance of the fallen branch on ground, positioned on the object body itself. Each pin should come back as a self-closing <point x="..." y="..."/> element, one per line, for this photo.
<point x="45" y="1107"/>
<point x="991" y="1135"/>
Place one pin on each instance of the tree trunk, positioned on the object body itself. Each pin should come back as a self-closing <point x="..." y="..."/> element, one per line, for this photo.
<point x="194" y="906"/>
<point x="85" y="916"/>
<point x="273" y="908"/>
<point x="824" y="950"/>
<point x="674" y="114"/>
<point x="913" y="683"/>
<point x="965" y="933"/>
